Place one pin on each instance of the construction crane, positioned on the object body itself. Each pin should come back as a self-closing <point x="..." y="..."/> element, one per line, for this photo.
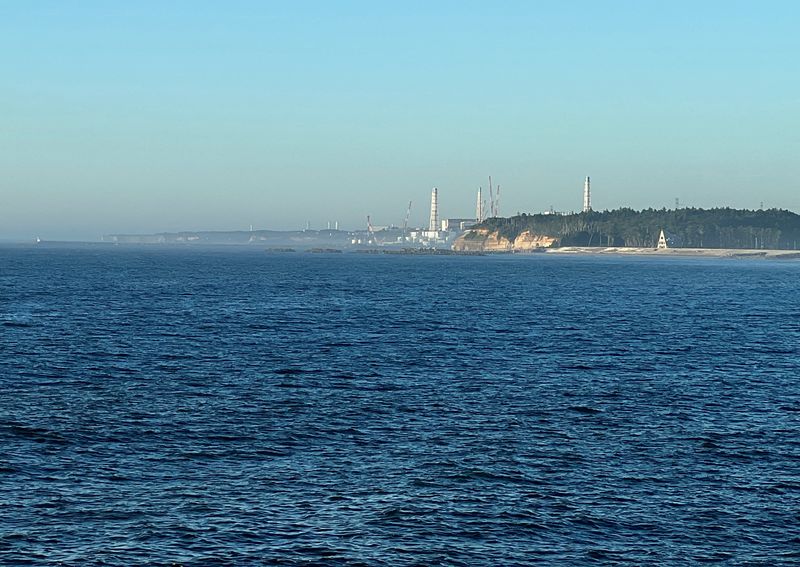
<point x="405" y="222"/>
<point x="497" y="202"/>
<point x="371" y="231"/>
<point x="491" y="198"/>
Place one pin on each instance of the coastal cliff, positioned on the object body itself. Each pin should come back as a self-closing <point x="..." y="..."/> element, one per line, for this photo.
<point x="626" y="228"/>
<point x="485" y="240"/>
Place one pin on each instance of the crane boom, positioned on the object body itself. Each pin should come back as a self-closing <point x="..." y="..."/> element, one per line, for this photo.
<point x="405" y="222"/>
<point x="491" y="199"/>
<point x="370" y="230"/>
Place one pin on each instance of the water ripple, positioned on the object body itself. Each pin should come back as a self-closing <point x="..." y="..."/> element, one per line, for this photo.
<point x="206" y="407"/>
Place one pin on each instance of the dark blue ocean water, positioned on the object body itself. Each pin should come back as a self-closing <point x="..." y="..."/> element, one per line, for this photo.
<point x="232" y="407"/>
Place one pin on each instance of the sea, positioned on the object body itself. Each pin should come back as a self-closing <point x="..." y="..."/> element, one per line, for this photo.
<point x="230" y="406"/>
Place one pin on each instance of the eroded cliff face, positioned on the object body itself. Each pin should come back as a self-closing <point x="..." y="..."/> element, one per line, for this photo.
<point x="529" y="241"/>
<point x="483" y="240"/>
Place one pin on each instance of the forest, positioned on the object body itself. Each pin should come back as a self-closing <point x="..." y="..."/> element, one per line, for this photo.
<point x="683" y="227"/>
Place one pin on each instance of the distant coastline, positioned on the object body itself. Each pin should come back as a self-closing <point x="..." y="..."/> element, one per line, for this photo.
<point x="710" y="233"/>
<point x="721" y="253"/>
<point x="680" y="252"/>
<point x="687" y="228"/>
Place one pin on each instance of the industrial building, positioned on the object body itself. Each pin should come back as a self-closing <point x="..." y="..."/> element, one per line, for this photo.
<point x="451" y="225"/>
<point x="439" y="231"/>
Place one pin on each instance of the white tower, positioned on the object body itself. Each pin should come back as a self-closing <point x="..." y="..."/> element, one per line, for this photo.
<point x="662" y="241"/>
<point x="587" y="197"/>
<point x="479" y="207"/>
<point x="434" y="224"/>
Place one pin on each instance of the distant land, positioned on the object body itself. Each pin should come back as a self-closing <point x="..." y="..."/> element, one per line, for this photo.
<point x="721" y="228"/>
<point x="302" y="239"/>
<point x="285" y="240"/>
<point x="594" y="231"/>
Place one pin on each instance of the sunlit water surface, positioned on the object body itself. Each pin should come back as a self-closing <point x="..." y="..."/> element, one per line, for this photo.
<point x="234" y="407"/>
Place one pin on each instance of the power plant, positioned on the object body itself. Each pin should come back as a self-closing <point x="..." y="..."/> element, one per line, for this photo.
<point x="443" y="230"/>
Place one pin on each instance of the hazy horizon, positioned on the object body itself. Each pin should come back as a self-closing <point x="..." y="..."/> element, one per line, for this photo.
<point x="189" y="116"/>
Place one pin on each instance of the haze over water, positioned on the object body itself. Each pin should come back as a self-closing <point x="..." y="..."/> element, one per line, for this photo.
<point x="148" y="116"/>
<point x="232" y="407"/>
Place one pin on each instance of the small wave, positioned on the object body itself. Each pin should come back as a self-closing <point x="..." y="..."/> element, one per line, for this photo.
<point x="37" y="434"/>
<point x="718" y="557"/>
<point x="230" y="438"/>
<point x="346" y="376"/>
<point x="484" y="475"/>
<point x="386" y="388"/>
<point x="271" y="452"/>
<point x="586" y="410"/>
<point x="293" y="371"/>
<point x="17" y="323"/>
<point x="260" y="327"/>
<point x="422" y="482"/>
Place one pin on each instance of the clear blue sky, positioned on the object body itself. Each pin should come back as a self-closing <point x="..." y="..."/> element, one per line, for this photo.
<point x="154" y="116"/>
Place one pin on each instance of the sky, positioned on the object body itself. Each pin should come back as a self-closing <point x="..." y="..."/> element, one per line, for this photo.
<point x="137" y="117"/>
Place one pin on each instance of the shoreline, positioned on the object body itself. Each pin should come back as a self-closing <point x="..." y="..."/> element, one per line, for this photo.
<point x="738" y="253"/>
<point x="621" y="251"/>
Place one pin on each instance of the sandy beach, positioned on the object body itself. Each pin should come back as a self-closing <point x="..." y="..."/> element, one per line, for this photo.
<point x="690" y="252"/>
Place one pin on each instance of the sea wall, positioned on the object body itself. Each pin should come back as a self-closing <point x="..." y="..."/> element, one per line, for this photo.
<point x="484" y="240"/>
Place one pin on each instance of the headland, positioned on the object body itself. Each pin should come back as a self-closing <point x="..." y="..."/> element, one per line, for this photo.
<point x="693" y="231"/>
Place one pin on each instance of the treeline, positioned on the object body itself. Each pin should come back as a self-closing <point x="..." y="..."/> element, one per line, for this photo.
<point x="685" y="228"/>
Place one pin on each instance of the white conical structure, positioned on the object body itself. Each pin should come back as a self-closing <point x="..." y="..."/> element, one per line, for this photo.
<point x="662" y="241"/>
<point x="587" y="197"/>
<point x="433" y="226"/>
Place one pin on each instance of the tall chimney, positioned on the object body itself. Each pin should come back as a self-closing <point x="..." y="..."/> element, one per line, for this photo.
<point x="587" y="197"/>
<point x="434" y="224"/>
<point x="479" y="208"/>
